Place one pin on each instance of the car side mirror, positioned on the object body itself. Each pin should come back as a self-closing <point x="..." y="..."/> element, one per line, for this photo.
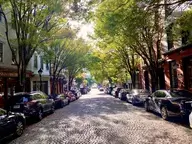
<point x="149" y="96"/>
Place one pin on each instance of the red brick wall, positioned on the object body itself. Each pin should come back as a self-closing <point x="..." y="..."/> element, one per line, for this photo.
<point x="178" y="56"/>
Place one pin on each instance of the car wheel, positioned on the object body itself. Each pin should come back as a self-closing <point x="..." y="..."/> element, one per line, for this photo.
<point x="19" y="128"/>
<point x="52" y="109"/>
<point x="62" y="104"/>
<point x="133" y="103"/>
<point x="164" y="113"/>
<point x="146" y="105"/>
<point x="40" y="114"/>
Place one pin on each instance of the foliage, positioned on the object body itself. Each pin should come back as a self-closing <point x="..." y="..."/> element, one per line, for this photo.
<point x="131" y="29"/>
<point x="33" y="22"/>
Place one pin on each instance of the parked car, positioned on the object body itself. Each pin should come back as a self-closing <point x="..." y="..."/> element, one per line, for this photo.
<point x="11" y="123"/>
<point x="83" y="90"/>
<point x="122" y="94"/>
<point x="170" y="103"/>
<point x="137" y="96"/>
<point x="61" y="101"/>
<point x="115" y="92"/>
<point x="34" y="104"/>
<point x="77" y="93"/>
<point x="71" y="96"/>
<point x="101" y="89"/>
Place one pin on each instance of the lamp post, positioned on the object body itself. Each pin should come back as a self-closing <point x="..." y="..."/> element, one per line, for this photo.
<point x="40" y="71"/>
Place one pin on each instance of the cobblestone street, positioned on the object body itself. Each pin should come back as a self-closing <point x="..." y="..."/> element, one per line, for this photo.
<point x="101" y="119"/>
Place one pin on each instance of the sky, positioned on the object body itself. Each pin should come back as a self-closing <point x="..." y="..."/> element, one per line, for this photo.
<point x="85" y="29"/>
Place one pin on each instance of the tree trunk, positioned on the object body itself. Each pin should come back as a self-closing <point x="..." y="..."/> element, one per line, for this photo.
<point x="133" y="79"/>
<point x="154" y="79"/>
<point x="70" y="82"/>
<point x="53" y="85"/>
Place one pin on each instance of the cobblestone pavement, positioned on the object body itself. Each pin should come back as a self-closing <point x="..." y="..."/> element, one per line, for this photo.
<point x="100" y="119"/>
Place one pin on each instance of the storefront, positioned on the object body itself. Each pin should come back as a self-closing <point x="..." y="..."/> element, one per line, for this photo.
<point x="45" y="83"/>
<point x="178" y="68"/>
<point x="9" y="82"/>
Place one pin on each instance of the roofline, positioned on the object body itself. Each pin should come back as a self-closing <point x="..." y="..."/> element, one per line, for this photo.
<point x="178" y="49"/>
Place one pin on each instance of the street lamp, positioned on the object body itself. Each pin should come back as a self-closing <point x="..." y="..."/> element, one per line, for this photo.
<point x="40" y="71"/>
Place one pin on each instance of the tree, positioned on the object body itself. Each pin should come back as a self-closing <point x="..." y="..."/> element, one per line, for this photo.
<point x="33" y="22"/>
<point x="76" y="60"/>
<point x="57" y="51"/>
<point x="141" y="30"/>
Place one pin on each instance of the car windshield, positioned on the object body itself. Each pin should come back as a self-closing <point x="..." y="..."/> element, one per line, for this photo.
<point x="180" y="93"/>
<point x="20" y="98"/>
<point x="2" y="112"/>
<point x="143" y="91"/>
<point x="61" y="96"/>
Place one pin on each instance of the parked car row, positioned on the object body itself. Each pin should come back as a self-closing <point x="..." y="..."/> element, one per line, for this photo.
<point x="85" y="90"/>
<point x="168" y="103"/>
<point x="34" y="105"/>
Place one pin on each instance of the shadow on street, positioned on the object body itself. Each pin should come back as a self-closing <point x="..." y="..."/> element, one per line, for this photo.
<point x="91" y="116"/>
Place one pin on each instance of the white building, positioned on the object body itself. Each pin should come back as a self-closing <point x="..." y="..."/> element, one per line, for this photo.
<point x="34" y="65"/>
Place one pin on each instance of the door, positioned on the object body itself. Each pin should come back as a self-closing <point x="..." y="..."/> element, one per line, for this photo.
<point x="158" y="97"/>
<point x="188" y="73"/>
<point x="48" y="102"/>
<point x="6" y="124"/>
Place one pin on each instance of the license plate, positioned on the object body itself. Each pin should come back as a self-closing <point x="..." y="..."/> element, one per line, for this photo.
<point x="16" y="106"/>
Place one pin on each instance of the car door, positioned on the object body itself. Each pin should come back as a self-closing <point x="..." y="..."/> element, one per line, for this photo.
<point x="6" y="124"/>
<point x="157" y="100"/>
<point x="48" y="101"/>
<point x="129" y="97"/>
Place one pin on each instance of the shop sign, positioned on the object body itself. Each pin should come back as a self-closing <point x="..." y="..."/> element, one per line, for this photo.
<point x="8" y="74"/>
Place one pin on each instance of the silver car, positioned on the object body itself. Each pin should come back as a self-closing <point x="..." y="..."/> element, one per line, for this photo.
<point x="137" y="96"/>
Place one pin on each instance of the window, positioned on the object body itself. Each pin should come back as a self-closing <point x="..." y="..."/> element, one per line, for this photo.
<point x="2" y="112"/>
<point x="189" y="73"/>
<point x="180" y="93"/>
<point x="47" y="65"/>
<point x="35" y="61"/>
<point x="36" y="96"/>
<point x="1" y="52"/>
<point x="41" y="61"/>
<point x="173" y="74"/>
<point x="160" y="94"/>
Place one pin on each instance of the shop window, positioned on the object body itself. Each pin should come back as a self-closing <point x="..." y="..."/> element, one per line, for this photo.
<point x="35" y="61"/>
<point x="1" y="52"/>
<point x="173" y="74"/>
<point x="41" y="60"/>
<point x="47" y="65"/>
<point x="36" y="86"/>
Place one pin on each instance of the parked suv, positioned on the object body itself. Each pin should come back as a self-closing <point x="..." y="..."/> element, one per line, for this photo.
<point x="11" y="123"/>
<point x="61" y="101"/>
<point x="33" y="104"/>
<point x="170" y="103"/>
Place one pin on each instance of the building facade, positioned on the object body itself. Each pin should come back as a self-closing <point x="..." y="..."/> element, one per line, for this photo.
<point x="36" y="63"/>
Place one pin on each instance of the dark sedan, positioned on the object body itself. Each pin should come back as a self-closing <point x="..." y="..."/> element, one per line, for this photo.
<point x="61" y="101"/>
<point x="116" y="91"/>
<point x="33" y="104"/>
<point x="169" y="103"/>
<point x="123" y="93"/>
<point x="77" y="93"/>
<point x="11" y="123"/>
<point x="137" y="96"/>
